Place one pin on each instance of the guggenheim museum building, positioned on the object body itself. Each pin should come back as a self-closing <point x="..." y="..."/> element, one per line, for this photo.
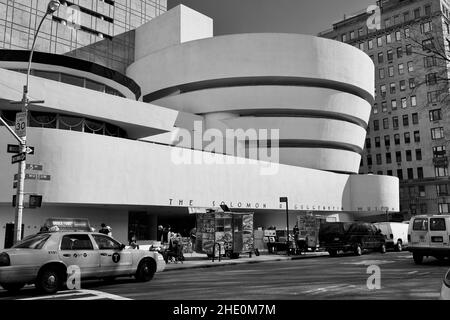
<point x="149" y="118"/>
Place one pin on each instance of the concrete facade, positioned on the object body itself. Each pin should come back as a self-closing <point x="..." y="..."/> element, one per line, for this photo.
<point x="144" y="177"/>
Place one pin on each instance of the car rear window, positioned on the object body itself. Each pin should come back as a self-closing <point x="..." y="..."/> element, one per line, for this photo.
<point x="420" y="224"/>
<point x="76" y="242"/>
<point x="437" y="224"/>
<point x="36" y="241"/>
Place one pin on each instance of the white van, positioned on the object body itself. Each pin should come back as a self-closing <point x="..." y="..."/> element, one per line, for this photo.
<point x="429" y="236"/>
<point x="395" y="233"/>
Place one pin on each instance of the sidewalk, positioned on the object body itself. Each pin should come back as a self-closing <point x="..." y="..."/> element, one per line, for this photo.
<point x="195" y="260"/>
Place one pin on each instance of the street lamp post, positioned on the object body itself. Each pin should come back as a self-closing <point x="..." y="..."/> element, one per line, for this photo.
<point x="285" y="200"/>
<point x="52" y="7"/>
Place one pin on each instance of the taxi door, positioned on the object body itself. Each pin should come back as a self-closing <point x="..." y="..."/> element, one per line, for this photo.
<point x="113" y="260"/>
<point x="419" y="232"/>
<point x="438" y="233"/>
<point x="78" y="250"/>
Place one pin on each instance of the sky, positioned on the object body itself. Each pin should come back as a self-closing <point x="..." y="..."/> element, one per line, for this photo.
<point x="291" y="16"/>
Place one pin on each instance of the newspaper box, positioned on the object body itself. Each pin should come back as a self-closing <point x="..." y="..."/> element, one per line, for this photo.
<point x="229" y="232"/>
<point x="309" y="225"/>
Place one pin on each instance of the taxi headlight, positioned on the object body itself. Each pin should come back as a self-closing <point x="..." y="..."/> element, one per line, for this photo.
<point x="447" y="279"/>
<point x="4" y="260"/>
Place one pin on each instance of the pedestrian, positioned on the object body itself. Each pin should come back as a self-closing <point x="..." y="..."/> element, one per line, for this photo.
<point x="109" y="231"/>
<point x="104" y="229"/>
<point x="159" y="233"/>
<point x="165" y="235"/>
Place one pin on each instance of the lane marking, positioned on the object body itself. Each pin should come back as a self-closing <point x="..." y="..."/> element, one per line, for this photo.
<point x="93" y="295"/>
<point x="412" y="272"/>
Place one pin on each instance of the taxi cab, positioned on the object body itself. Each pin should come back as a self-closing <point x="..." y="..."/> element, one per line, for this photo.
<point x="43" y="259"/>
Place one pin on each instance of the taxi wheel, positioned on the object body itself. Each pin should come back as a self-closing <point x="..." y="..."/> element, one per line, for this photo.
<point x="12" y="287"/>
<point x="146" y="270"/>
<point x="49" y="281"/>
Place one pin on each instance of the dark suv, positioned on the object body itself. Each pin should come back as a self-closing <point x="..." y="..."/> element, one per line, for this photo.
<point x="356" y="237"/>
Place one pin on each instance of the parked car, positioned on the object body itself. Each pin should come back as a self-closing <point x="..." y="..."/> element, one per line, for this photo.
<point x="429" y="236"/>
<point x="445" y="289"/>
<point x="356" y="237"/>
<point x="43" y="259"/>
<point x="395" y="234"/>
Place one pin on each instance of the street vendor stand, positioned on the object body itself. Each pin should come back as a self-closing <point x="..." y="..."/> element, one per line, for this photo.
<point x="224" y="234"/>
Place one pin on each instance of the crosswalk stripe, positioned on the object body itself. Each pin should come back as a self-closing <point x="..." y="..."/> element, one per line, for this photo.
<point x="89" y="295"/>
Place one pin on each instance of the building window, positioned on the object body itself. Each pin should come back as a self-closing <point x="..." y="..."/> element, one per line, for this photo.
<point x="399" y="52"/>
<point x="344" y="37"/>
<point x="407" y="137"/>
<point x="408" y="155"/>
<point x="378" y="158"/>
<point x="435" y="115"/>
<point x="410" y="173"/>
<point x="387" y="141"/>
<point x="360" y="32"/>
<point x="379" y="41"/>
<point x="398" y="36"/>
<point x="383" y="91"/>
<point x="405" y="120"/>
<point x="413" y="101"/>
<point x="361" y="46"/>
<point x="397" y="139"/>
<point x="443" y="208"/>
<point x="421" y="191"/>
<point x="439" y="152"/>
<point x="352" y="35"/>
<point x="369" y="160"/>
<point x="427" y="45"/>
<point x="381" y="73"/>
<point x="404" y="104"/>
<point x="385" y="123"/>
<point x="402" y="85"/>
<point x="410" y="66"/>
<point x="426" y="27"/>
<point x="389" y="38"/>
<point x="370" y="44"/>
<point x="390" y="55"/>
<point x="431" y="79"/>
<point x="417" y="13"/>
<point x="400" y="174"/>
<point x="380" y="57"/>
<point x="437" y="133"/>
<point x="401" y="69"/>
<point x="384" y="106"/>
<point x="442" y="189"/>
<point x="408" y="49"/>
<point x="389" y="173"/>
<point x="388" y="157"/>
<point x="418" y="154"/>
<point x="419" y="173"/>
<point x="394" y="104"/>
<point x="407" y="35"/>
<point x="416" y="136"/>
<point x="395" y="122"/>
<point x="441" y="171"/>
<point x="430" y="61"/>
<point x="406" y="16"/>
<point x="398" y="156"/>
<point x="368" y="143"/>
<point x="375" y="108"/>
<point x="412" y="83"/>
<point x="391" y="71"/>
<point x="376" y="125"/>
<point x="415" y="118"/>
<point x="392" y="88"/>
<point x="377" y="142"/>
<point x="433" y="96"/>
<point x="428" y="10"/>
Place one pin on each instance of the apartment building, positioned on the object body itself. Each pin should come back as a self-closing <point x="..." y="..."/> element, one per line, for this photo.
<point x="408" y="131"/>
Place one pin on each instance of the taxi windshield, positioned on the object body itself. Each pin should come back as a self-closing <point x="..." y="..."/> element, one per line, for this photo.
<point x="36" y="241"/>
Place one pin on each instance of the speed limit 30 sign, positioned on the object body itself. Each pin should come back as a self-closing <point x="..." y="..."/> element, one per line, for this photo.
<point x="21" y="124"/>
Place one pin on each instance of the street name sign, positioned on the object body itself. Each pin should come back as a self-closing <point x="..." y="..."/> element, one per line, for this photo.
<point x="19" y="158"/>
<point x="34" y="167"/>
<point x="15" y="148"/>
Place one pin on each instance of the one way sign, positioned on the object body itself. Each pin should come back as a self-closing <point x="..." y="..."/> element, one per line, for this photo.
<point x="15" y="148"/>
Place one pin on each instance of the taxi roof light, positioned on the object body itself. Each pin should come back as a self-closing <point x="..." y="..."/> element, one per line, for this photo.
<point x="67" y="224"/>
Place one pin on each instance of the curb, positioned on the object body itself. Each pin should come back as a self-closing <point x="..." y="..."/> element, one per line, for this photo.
<point x="286" y="258"/>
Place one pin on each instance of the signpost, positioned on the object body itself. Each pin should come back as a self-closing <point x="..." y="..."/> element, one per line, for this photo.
<point x="285" y="200"/>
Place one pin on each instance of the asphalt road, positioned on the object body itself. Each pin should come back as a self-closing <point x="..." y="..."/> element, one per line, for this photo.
<point x="342" y="277"/>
